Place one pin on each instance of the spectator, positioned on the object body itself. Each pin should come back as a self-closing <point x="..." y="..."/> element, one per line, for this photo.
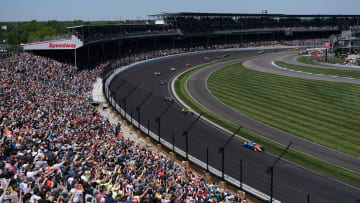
<point x="55" y="146"/>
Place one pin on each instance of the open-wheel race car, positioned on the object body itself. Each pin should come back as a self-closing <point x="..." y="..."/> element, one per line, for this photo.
<point x="187" y="112"/>
<point x="222" y="56"/>
<point x="168" y="99"/>
<point x="253" y="146"/>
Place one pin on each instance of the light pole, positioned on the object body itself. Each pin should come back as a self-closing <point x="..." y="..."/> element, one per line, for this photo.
<point x="241" y="173"/>
<point x="158" y="119"/>
<point x="75" y="58"/>
<point x="139" y="106"/>
<point x="117" y="88"/>
<point x="271" y="171"/>
<point x="207" y="159"/>
<point x="186" y="133"/>
<point x="173" y="143"/>
<point x="148" y="127"/>
<point x="222" y="150"/>
<point x="125" y="98"/>
<point x="131" y="116"/>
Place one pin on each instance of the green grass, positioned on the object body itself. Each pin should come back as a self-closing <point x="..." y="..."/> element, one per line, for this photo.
<point x="292" y="155"/>
<point x="333" y="72"/>
<point x="307" y="60"/>
<point x="333" y="59"/>
<point x="323" y="112"/>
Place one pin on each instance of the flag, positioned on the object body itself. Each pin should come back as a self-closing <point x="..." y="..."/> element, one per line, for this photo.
<point x="4" y="27"/>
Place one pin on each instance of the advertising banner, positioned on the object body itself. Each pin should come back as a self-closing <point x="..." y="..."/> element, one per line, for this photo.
<point x="71" y="43"/>
<point x="327" y="45"/>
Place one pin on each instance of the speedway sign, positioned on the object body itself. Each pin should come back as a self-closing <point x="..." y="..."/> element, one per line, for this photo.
<point x="70" y="43"/>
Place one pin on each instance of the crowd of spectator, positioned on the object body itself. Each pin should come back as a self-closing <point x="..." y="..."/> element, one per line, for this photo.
<point x="91" y="33"/>
<point x="123" y="61"/>
<point x="189" y="24"/>
<point x="307" y="42"/>
<point x="195" y="24"/>
<point x="56" y="147"/>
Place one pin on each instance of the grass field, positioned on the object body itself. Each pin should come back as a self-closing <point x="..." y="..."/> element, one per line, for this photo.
<point x="333" y="72"/>
<point x="323" y="112"/>
<point x="307" y="60"/>
<point x="333" y="59"/>
<point x="275" y="148"/>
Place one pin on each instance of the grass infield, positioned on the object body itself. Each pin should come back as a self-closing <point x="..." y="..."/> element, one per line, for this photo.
<point x="292" y="155"/>
<point x="332" y="72"/>
<point x="307" y="60"/>
<point x="323" y="112"/>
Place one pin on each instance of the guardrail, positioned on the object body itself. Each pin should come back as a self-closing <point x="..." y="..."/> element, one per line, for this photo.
<point x="106" y="82"/>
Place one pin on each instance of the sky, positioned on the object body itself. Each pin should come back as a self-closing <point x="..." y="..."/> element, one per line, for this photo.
<point x="96" y="10"/>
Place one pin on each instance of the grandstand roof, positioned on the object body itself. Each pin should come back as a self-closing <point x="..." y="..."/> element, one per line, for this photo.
<point x="249" y="14"/>
<point x="109" y="25"/>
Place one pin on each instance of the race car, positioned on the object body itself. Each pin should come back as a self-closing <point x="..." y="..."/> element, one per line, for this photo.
<point x="296" y="48"/>
<point x="162" y="82"/>
<point x="168" y="99"/>
<point x="187" y="112"/>
<point x="260" y="52"/>
<point x="253" y="146"/>
<point x="222" y="56"/>
<point x="188" y="65"/>
<point x="172" y="69"/>
<point x="290" y="49"/>
<point x="206" y="59"/>
<point x="157" y="73"/>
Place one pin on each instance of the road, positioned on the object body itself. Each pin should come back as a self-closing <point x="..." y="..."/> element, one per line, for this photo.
<point x="292" y="183"/>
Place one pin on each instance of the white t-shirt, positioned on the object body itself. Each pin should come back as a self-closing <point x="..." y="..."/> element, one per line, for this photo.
<point x="23" y="187"/>
<point x="30" y="174"/>
<point x="33" y="198"/>
<point x="77" y="196"/>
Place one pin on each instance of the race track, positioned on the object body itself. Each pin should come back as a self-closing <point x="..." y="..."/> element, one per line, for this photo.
<point x="198" y="90"/>
<point x="263" y="64"/>
<point x="292" y="182"/>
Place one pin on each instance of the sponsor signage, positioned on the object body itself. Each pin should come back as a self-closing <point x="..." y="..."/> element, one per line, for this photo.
<point x="71" y="43"/>
<point x="61" y="45"/>
<point x="326" y="45"/>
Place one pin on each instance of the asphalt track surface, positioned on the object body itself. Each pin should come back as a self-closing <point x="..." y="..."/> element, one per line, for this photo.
<point x="263" y="64"/>
<point x="292" y="183"/>
<point x="291" y="59"/>
<point x="198" y="90"/>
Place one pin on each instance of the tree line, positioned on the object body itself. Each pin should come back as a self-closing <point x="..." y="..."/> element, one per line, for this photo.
<point x="13" y="33"/>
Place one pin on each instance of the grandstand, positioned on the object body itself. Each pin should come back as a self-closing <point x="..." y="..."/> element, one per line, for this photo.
<point x="186" y="30"/>
<point x="57" y="93"/>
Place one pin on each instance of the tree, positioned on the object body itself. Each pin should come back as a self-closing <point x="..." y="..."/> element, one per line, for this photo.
<point x="45" y="33"/>
<point x="58" y="26"/>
